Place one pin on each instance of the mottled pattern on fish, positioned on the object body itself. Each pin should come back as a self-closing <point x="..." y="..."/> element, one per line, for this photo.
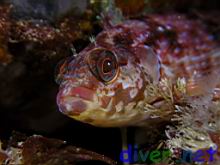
<point x="106" y="84"/>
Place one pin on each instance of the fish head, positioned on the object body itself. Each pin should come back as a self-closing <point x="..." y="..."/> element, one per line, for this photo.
<point x="105" y="83"/>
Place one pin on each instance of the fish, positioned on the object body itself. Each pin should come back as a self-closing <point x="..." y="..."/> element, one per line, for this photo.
<point x="117" y="80"/>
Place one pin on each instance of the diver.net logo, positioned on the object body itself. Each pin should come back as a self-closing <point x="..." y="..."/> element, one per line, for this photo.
<point x="135" y="155"/>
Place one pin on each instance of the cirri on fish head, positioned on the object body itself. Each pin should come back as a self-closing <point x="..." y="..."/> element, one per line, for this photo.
<point x="104" y="85"/>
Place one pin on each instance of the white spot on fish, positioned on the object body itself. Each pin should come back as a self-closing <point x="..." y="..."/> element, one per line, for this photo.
<point x="133" y="92"/>
<point x="110" y="93"/>
<point x="66" y="91"/>
<point x="130" y="106"/>
<point x="68" y="108"/>
<point x="140" y="83"/>
<point x="119" y="106"/>
<point x="96" y="99"/>
<point x="109" y="107"/>
<point x="125" y="84"/>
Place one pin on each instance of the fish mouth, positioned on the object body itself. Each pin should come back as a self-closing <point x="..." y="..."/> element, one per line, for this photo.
<point x="73" y="101"/>
<point x="80" y="103"/>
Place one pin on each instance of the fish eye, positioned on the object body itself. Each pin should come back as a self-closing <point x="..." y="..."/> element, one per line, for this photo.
<point x="103" y="64"/>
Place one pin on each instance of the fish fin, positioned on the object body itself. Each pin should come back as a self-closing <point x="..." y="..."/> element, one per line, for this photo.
<point x="203" y="85"/>
<point x="205" y="73"/>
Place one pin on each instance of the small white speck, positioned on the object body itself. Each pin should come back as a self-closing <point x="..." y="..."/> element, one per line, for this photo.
<point x="140" y="83"/>
<point x="125" y="84"/>
<point x="119" y="106"/>
<point x="20" y="144"/>
<point x="161" y="29"/>
<point x="133" y="92"/>
<point x="68" y="107"/>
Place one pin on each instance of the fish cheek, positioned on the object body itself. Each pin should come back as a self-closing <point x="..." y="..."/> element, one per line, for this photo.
<point x="127" y="95"/>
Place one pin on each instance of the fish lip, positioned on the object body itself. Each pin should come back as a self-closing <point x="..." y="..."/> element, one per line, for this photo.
<point x="70" y="89"/>
<point x="66" y="105"/>
<point x="69" y="83"/>
<point x="73" y="100"/>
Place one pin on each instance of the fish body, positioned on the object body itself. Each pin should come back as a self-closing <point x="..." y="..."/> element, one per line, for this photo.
<point x="107" y="84"/>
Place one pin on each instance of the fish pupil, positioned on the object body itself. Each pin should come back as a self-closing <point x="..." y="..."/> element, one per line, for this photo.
<point x="107" y="66"/>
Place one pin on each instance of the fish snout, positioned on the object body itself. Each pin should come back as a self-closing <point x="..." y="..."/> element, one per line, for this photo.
<point x="72" y="101"/>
